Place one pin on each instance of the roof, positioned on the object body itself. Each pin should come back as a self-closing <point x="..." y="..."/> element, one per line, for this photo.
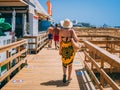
<point x="13" y="2"/>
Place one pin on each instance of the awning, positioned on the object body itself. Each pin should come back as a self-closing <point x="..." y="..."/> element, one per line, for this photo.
<point x="39" y="10"/>
<point x="7" y="6"/>
<point x="13" y="2"/>
<point x="41" y="16"/>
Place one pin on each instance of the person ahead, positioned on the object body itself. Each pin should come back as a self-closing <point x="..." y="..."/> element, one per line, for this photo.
<point x="50" y="35"/>
<point x="56" y="35"/>
<point x="66" y="34"/>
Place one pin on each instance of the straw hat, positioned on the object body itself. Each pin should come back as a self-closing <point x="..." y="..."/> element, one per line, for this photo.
<point x="66" y="23"/>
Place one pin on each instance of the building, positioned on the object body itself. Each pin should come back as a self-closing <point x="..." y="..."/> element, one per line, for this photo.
<point x="24" y="16"/>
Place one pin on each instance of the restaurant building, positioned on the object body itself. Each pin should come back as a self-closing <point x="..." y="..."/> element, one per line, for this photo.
<point x="25" y="16"/>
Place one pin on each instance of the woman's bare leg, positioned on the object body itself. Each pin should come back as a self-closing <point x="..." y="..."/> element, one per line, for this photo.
<point x="64" y="74"/>
<point x="69" y="71"/>
<point x="50" y="43"/>
<point x="64" y="70"/>
<point x="55" y="45"/>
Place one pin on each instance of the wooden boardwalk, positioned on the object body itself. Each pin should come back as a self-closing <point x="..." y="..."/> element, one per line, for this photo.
<point x="44" y="72"/>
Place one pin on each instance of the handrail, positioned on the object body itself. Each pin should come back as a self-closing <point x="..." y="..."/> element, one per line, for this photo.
<point x="12" y="45"/>
<point x="97" y="31"/>
<point x="106" y="56"/>
<point x="113" y="46"/>
<point x="91" y="51"/>
<point x="20" y="49"/>
<point x="35" y="43"/>
<point x="98" y="37"/>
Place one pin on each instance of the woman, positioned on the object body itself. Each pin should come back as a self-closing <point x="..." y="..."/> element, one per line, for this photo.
<point x="66" y="34"/>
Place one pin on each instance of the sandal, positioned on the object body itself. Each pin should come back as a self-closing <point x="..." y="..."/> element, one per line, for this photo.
<point x="64" y="78"/>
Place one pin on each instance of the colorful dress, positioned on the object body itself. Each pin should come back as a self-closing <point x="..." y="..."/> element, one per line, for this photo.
<point x="67" y="53"/>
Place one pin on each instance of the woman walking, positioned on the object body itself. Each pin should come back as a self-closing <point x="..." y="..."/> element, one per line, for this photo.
<point x="66" y="34"/>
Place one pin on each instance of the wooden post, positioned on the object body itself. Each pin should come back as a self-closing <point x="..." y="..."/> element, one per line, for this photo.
<point x="91" y="37"/>
<point x="18" y="49"/>
<point x="36" y="45"/>
<point x="93" y="56"/>
<point x="119" y="52"/>
<point x="111" y="69"/>
<point x="8" y="64"/>
<point x="111" y="47"/>
<point x="107" y="46"/>
<point x="85" y="55"/>
<point x="102" y="80"/>
<point x="102" y="64"/>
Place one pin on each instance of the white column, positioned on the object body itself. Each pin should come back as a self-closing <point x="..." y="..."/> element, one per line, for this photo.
<point x="13" y="20"/>
<point x="13" y="25"/>
<point x="31" y="23"/>
<point x="24" y="25"/>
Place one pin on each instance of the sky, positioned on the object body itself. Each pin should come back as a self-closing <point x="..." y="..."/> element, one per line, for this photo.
<point x="95" y="12"/>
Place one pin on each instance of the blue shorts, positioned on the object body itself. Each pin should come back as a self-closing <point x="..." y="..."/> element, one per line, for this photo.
<point x="50" y="36"/>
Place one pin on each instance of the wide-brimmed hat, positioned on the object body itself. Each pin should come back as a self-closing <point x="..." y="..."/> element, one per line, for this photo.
<point x="66" y="23"/>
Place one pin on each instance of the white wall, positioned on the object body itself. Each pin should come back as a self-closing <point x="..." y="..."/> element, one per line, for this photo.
<point x="33" y="22"/>
<point x="35" y="26"/>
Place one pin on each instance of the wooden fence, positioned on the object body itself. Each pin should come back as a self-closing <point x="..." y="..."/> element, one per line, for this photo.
<point x="99" y="59"/>
<point x="97" y="31"/>
<point x="15" y="56"/>
<point x="35" y="43"/>
<point x="97" y="37"/>
<point x="113" y="46"/>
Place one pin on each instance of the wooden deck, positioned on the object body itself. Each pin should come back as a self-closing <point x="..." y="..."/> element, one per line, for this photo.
<point x="44" y="72"/>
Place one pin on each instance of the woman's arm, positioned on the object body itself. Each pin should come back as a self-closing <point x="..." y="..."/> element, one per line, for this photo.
<point x="74" y="35"/>
<point x="60" y="42"/>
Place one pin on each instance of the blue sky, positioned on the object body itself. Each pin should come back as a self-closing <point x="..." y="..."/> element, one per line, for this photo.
<point x="95" y="12"/>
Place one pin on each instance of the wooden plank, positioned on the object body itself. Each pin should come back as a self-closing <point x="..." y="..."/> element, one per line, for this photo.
<point x="44" y="72"/>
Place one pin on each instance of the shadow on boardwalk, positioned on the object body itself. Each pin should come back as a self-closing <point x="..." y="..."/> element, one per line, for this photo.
<point x="57" y="83"/>
<point x="80" y="78"/>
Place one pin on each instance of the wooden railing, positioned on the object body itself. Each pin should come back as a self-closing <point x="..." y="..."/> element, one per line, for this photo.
<point x="15" y="56"/>
<point x="35" y="43"/>
<point x="93" y="37"/>
<point x="97" y="58"/>
<point x="97" y="37"/>
<point x="97" y="31"/>
<point x="113" y="46"/>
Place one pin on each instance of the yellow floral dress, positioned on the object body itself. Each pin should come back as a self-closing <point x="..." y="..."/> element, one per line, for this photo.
<point x="67" y="53"/>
